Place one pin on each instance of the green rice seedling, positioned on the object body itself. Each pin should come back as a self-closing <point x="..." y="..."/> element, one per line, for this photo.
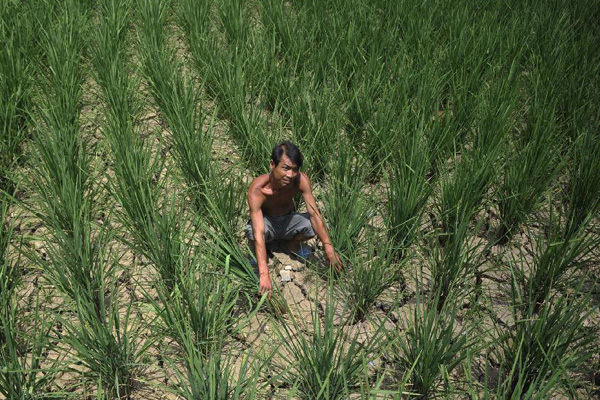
<point x="198" y="311"/>
<point x="227" y="192"/>
<point x="583" y="200"/>
<point x="152" y="21"/>
<point x="461" y="198"/>
<point x="75" y="264"/>
<point x="235" y="21"/>
<point x="108" y="345"/>
<point x="177" y="97"/>
<point x="407" y="191"/>
<point x="363" y="98"/>
<point x="464" y="190"/>
<point x="385" y="130"/>
<point x="557" y="259"/>
<point x="495" y="119"/>
<point x="194" y="19"/>
<point x="468" y="61"/>
<point x="278" y="23"/>
<point x="347" y="209"/>
<point x="11" y="276"/>
<point x="529" y="171"/>
<point x="217" y="376"/>
<point x="26" y="371"/>
<point x="545" y="340"/>
<point x="371" y="270"/>
<point x="109" y="48"/>
<point x="325" y="361"/>
<point x="431" y="345"/>
<point x="221" y="241"/>
<point x="16" y="32"/>
<point x="256" y="140"/>
<point x="316" y="123"/>
<point x="25" y="340"/>
<point x="539" y="389"/>
<point x="455" y="264"/>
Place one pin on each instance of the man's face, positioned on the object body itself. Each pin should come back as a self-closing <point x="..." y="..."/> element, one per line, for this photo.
<point x="286" y="172"/>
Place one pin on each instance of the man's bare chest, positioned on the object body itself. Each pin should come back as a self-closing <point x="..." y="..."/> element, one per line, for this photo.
<point x="279" y="203"/>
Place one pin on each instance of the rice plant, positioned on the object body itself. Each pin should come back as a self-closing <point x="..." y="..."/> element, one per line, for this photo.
<point x="214" y="376"/>
<point x="108" y="345"/>
<point x="347" y="209"/>
<point x="24" y="339"/>
<point x="583" y="195"/>
<point x="26" y="372"/>
<point x="15" y="86"/>
<point x="235" y="22"/>
<point x="176" y="96"/>
<point x="557" y="259"/>
<point x="325" y="361"/>
<point x="464" y="190"/>
<point x="547" y="342"/>
<point x="529" y="171"/>
<point x="431" y="345"/>
<point x="316" y="125"/>
<point x="407" y="192"/>
<point x="371" y="269"/>
<point x="198" y="312"/>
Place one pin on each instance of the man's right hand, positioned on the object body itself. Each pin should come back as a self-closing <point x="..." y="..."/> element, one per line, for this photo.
<point x="265" y="285"/>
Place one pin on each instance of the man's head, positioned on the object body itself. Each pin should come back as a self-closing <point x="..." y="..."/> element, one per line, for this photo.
<point x="286" y="161"/>
<point x="288" y="149"/>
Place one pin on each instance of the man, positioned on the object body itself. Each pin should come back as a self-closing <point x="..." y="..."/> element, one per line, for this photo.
<point x="273" y="216"/>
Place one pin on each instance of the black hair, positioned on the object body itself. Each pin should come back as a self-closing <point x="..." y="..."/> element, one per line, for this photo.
<point x="290" y="150"/>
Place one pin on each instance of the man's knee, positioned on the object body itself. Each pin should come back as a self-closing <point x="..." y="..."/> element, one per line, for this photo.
<point x="301" y="237"/>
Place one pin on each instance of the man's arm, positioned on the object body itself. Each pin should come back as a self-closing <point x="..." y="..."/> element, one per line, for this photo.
<point x="258" y="229"/>
<point x="317" y="221"/>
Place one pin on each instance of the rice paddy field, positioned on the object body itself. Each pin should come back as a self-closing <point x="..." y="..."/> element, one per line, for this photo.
<point x="454" y="151"/>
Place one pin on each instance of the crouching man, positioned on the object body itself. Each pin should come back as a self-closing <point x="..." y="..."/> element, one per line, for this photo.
<point x="273" y="215"/>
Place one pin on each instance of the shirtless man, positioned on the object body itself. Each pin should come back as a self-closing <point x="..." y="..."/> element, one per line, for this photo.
<point x="272" y="211"/>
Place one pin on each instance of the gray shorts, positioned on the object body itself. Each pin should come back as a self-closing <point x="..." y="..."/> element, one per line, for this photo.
<point x="284" y="227"/>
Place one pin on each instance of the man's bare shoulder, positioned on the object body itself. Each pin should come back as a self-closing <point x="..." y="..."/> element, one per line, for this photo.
<point x="256" y="191"/>
<point x="258" y="183"/>
<point x="304" y="184"/>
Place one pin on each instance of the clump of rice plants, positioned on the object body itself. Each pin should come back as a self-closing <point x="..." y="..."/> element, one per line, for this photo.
<point x="198" y="315"/>
<point x="463" y="191"/>
<point x="176" y="96"/>
<point x="431" y="345"/>
<point x="16" y="85"/>
<point x="108" y="345"/>
<point x="530" y="169"/>
<point x="371" y="269"/>
<point x="213" y="376"/>
<point x="547" y="342"/>
<point x="198" y="310"/>
<point x="461" y="197"/>
<point x="557" y="258"/>
<point x="316" y="125"/>
<point x="325" y="361"/>
<point x="347" y="209"/>
<point x="407" y="192"/>
<point x="24" y="340"/>
<point x="583" y="194"/>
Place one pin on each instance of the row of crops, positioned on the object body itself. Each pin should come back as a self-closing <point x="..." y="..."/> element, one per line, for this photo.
<point x="455" y="153"/>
